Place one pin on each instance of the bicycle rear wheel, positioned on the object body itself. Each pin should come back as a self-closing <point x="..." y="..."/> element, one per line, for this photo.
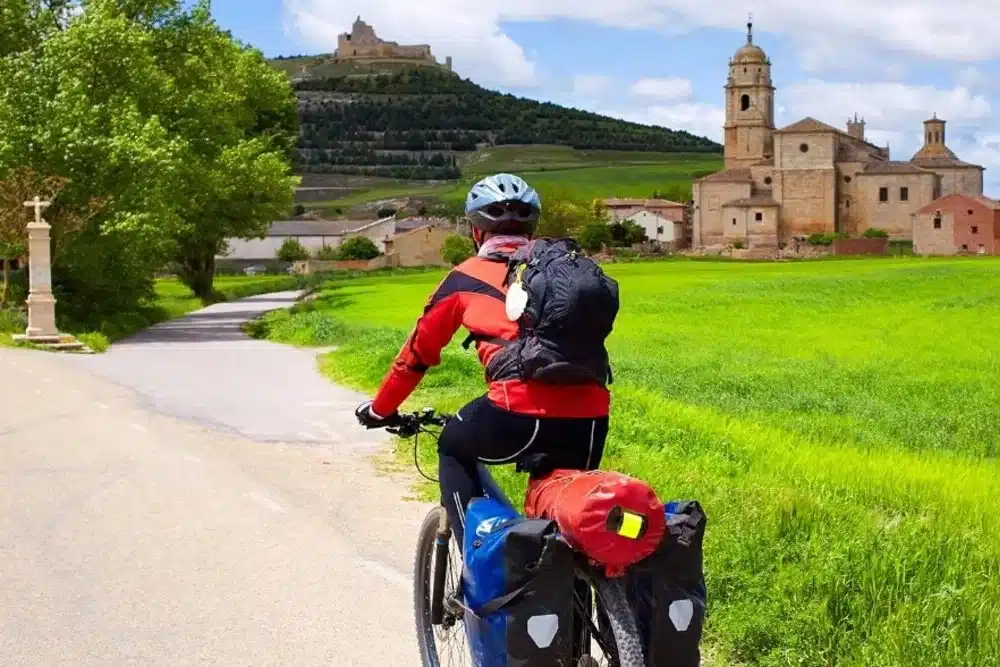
<point x="609" y="632"/>
<point x="437" y="576"/>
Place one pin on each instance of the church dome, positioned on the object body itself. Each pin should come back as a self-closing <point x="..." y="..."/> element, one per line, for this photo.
<point x="750" y="53"/>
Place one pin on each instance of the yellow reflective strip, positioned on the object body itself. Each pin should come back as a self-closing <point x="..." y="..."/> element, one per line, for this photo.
<point x="631" y="525"/>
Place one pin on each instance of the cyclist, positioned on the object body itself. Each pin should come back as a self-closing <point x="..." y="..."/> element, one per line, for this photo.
<point x="540" y="427"/>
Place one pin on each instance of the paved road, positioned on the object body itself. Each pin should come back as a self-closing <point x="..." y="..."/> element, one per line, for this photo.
<point x="204" y="368"/>
<point x="132" y="531"/>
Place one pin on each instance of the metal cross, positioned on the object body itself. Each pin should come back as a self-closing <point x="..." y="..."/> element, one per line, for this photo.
<point x="38" y="205"/>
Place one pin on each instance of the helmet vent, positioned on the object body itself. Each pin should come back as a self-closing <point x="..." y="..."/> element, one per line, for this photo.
<point x="515" y="188"/>
<point x="502" y="187"/>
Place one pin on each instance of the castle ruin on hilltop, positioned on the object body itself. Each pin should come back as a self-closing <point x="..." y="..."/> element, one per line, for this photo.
<point x="363" y="44"/>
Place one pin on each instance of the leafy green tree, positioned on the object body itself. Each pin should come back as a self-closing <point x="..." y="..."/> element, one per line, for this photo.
<point x="358" y="247"/>
<point x="456" y="249"/>
<point x="9" y="250"/>
<point x="626" y="233"/>
<point x="291" y="251"/>
<point x="595" y="236"/>
<point x="181" y="134"/>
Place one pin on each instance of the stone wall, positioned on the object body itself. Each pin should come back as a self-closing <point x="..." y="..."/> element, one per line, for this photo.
<point x="860" y="246"/>
<point x="965" y="180"/>
<point x="808" y="201"/>
<point x="820" y="151"/>
<point x="709" y="198"/>
<point x="930" y="241"/>
<point x="740" y="224"/>
<point x="420" y="247"/>
<point x="848" y="195"/>
<point x="894" y="216"/>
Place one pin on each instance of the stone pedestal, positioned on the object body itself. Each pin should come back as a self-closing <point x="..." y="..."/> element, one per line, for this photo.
<point x="41" y="303"/>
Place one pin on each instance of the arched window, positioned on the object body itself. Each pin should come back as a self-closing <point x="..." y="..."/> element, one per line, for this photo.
<point x="744" y="102"/>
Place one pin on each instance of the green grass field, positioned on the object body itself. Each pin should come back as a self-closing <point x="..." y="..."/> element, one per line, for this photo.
<point x="838" y="421"/>
<point x="581" y="175"/>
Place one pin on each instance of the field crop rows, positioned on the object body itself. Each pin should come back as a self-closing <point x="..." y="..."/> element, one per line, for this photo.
<point x="838" y="421"/>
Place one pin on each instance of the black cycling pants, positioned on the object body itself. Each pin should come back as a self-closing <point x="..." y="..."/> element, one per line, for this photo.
<point x="482" y="432"/>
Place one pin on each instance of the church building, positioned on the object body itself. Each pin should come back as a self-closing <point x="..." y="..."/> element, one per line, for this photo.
<point x="810" y="177"/>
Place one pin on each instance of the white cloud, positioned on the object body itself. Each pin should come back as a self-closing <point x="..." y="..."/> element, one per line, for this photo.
<point x="589" y="86"/>
<point x="669" y="89"/>
<point x="828" y="34"/>
<point x="703" y="120"/>
<point x="887" y="106"/>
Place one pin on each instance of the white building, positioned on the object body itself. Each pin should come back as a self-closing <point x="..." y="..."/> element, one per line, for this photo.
<point x="312" y="234"/>
<point x="659" y="228"/>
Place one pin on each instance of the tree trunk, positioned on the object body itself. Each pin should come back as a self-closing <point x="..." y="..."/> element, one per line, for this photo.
<point x="6" y="283"/>
<point x="198" y="273"/>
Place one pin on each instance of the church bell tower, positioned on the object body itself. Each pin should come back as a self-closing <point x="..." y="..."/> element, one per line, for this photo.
<point x="749" y="106"/>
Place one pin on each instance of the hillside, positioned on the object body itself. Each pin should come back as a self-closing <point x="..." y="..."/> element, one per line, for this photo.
<point x="398" y="120"/>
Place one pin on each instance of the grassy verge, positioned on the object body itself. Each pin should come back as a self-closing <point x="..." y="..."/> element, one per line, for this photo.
<point x="172" y="300"/>
<point x="837" y="419"/>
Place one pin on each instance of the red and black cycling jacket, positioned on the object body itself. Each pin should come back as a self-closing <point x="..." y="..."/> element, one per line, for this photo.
<point x="473" y="295"/>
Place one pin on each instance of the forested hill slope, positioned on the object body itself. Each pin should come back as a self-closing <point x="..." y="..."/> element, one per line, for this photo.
<point x="417" y="122"/>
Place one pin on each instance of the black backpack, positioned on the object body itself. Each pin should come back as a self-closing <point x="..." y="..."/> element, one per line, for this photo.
<point x="571" y="309"/>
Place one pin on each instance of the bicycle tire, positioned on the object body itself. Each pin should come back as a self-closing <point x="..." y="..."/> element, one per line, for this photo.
<point x="621" y="619"/>
<point x="423" y="587"/>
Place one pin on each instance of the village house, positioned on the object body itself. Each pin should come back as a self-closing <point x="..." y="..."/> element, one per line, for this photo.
<point x="810" y="177"/>
<point x="391" y="236"/>
<point x="314" y="235"/>
<point x="619" y="209"/>
<point x="660" y="229"/>
<point x="957" y="224"/>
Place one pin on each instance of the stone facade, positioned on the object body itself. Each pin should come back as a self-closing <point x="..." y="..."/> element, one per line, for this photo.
<point x="363" y="44"/>
<point x="418" y="247"/>
<point x="957" y="224"/>
<point x="810" y="177"/>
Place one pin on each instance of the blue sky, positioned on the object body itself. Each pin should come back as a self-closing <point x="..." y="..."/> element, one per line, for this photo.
<point x="664" y="61"/>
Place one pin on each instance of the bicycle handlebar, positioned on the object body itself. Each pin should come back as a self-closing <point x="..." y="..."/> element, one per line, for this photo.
<point x="407" y="425"/>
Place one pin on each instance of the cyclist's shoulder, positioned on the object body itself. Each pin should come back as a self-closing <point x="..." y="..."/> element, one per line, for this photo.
<point x="491" y="271"/>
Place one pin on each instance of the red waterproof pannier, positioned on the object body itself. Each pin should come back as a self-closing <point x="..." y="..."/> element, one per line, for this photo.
<point x="614" y="519"/>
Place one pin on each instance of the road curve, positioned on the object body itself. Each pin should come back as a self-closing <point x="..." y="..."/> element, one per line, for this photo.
<point x="151" y="519"/>
<point x="203" y="368"/>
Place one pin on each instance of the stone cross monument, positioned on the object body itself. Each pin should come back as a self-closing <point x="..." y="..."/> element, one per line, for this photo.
<point x="41" y="303"/>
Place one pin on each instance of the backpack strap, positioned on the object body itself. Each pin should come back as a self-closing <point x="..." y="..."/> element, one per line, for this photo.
<point x="481" y="338"/>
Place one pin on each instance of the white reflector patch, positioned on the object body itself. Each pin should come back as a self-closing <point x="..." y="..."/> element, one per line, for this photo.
<point x="681" y="612"/>
<point x="543" y="629"/>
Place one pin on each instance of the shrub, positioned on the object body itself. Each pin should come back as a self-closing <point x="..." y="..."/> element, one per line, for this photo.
<point x="595" y="236"/>
<point x="292" y="251"/>
<point x="875" y="233"/>
<point x="358" y="247"/>
<point x="328" y="253"/>
<point x="738" y="245"/>
<point x="386" y="212"/>
<point x="299" y="209"/>
<point x="820" y="239"/>
<point x="457" y="249"/>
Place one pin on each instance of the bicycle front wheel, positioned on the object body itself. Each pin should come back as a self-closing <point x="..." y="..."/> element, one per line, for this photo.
<point x="437" y="576"/>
